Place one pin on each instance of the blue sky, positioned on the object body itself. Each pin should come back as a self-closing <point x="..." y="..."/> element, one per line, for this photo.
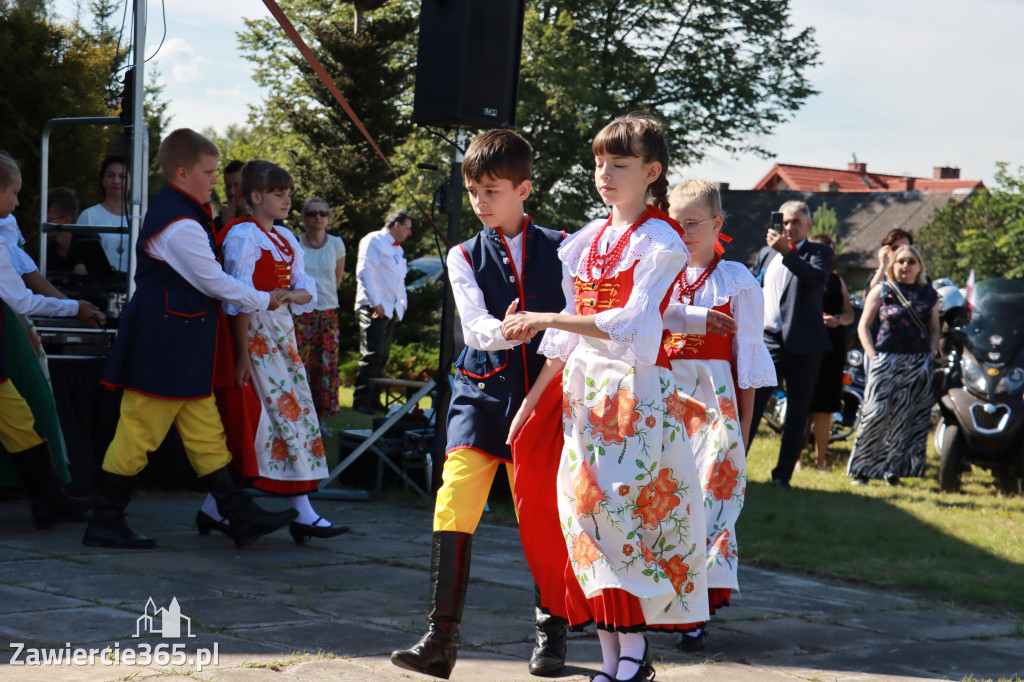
<point x="905" y="84"/>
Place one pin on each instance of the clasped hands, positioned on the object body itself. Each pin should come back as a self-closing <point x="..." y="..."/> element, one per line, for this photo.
<point x="279" y="297"/>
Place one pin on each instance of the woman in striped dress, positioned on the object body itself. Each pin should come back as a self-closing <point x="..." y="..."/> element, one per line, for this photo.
<point x="895" y="417"/>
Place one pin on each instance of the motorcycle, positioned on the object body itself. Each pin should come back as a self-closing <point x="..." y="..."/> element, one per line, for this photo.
<point x="846" y="420"/>
<point x="981" y="387"/>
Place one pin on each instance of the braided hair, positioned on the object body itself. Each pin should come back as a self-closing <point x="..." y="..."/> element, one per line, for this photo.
<point x="638" y="134"/>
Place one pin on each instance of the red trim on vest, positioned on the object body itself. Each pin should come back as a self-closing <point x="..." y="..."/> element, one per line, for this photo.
<point x="167" y="307"/>
<point x="466" y="255"/>
<point x="470" y="447"/>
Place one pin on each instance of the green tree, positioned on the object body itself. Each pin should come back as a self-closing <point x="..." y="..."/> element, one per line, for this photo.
<point x="51" y="70"/>
<point x="56" y="69"/>
<point x="985" y="233"/>
<point x="718" y="73"/>
<point x="825" y="221"/>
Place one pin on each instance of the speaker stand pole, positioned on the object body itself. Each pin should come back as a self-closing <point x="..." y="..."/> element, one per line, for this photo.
<point x="453" y="207"/>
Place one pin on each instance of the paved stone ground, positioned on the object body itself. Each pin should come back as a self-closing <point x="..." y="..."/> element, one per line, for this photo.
<point x="334" y="609"/>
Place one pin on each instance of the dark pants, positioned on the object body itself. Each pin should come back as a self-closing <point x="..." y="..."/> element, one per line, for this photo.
<point x="375" y="337"/>
<point x="800" y="374"/>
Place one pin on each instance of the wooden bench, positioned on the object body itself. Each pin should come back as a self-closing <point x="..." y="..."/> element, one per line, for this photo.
<point x="397" y="390"/>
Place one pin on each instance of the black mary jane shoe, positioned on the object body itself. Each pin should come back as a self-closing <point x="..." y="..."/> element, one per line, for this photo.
<point x="645" y="671"/>
<point x="693" y="639"/>
<point x="205" y="523"/>
<point x="602" y="674"/>
<point x="304" y="531"/>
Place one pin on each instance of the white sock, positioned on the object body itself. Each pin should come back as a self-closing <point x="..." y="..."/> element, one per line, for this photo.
<point x="634" y="645"/>
<point x="210" y="509"/>
<point x="609" y="652"/>
<point x="307" y="514"/>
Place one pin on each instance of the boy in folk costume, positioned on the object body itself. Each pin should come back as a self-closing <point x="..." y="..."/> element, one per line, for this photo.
<point x="721" y="373"/>
<point x="32" y="455"/>
<point x="510" y="265"/>
<point x="165" y="349"/>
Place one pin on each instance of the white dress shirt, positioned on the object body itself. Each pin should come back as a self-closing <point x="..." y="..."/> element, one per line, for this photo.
<point x="185" y="246"/>
<point x="776" y="279"/>
<point x="480" y="329"/>
<point x="15" y="294"/>
<point x="380" y="274"/>
<point x="11" y="234"/>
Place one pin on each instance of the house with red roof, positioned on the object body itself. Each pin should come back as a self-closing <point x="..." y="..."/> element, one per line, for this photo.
<point x="856" y="178"/>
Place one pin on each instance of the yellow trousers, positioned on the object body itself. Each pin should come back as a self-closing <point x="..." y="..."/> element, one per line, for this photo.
<point x="145" y="421"/>
<point x="467" y="479"/>
<point x="17" y="425"/>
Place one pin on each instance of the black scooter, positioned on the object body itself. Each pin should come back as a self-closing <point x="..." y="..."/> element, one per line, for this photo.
<point x="981" y="388"/>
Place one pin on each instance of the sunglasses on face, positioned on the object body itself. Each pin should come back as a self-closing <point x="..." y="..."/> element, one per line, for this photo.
<point x="907" y="261"/>
<point x="317" y="214"/>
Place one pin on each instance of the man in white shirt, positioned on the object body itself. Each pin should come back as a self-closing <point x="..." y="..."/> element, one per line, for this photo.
<point x="380" y="303"/>
<point x="793" y="272"/>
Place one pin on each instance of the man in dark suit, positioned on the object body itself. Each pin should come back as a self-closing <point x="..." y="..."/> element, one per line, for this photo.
<point x="792" y="272"/>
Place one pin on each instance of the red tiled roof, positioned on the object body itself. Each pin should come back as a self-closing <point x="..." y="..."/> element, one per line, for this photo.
<point x="814" y="179"/>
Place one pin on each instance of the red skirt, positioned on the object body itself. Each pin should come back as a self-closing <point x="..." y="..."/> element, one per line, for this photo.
<point x="240" y="409"/>
<point x="536" y="453"/>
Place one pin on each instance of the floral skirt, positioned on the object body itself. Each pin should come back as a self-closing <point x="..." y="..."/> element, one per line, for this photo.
<point x="629" y="495"/>
<point x="717" y="443"/>
<point x="317" y="336"/>
<point x="288" y="443"/>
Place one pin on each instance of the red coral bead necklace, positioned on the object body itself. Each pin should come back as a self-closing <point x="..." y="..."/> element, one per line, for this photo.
<point x="688" y="290"/>
<point x="607" y="262"/>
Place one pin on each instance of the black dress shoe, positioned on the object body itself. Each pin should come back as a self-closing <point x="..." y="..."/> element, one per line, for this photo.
<point x="781" y="485"/>
<point x="645" y="671"/>
<point x="304" y="531"/>
<point x="693" y="639"/>
<point x="893" y="481"/>
<point x="205" y="523"/>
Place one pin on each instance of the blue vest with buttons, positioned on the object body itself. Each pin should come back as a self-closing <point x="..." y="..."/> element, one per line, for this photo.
<point x="167" y="336"/>
<point x="490" y="385"/>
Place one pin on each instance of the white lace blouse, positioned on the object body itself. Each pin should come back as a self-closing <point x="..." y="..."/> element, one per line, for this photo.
<point x="635" y="329"/>
<point x="242" y="248"/>
<point x="731" y="280"/>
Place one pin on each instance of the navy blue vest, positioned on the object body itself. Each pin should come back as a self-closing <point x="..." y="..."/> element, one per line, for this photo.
<point x="490" y="385"/>
<point x="167" y="337"/>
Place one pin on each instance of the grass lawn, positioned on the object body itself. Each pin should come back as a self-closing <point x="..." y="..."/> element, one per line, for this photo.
<point x="962" y="547"/>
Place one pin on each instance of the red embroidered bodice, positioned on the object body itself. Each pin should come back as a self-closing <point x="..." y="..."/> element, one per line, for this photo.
<point x="699" y="347"/>
<point x="595" y="297"/>
<point x="271" y="273"/>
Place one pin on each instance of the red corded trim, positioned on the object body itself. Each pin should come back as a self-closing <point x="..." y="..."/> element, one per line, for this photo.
<point x="470" y="447"/>
<point x="114" y="387"/>
<point x="319" y="69"/>
<point x="167" y="307"/>
<point x="468" y="259"/>
<point x="489" y="374"/>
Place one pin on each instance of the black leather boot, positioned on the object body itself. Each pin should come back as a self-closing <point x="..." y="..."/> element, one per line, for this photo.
<point x="108" y="527"/>
<point x="552" y="631"/>
<point x="436" y="652"/>
<point x="50" y="503"/>
<point x="248" y="521"/>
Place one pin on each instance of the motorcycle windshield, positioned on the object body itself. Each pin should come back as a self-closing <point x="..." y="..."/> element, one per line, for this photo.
<point x="995" y="331"/>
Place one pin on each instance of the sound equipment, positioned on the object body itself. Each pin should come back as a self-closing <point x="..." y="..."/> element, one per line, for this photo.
<point x="467" y="63"/>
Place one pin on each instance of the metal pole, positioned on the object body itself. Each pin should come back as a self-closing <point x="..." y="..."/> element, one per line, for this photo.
<point x="138" y="141"/>
<point x="453" y="207"/>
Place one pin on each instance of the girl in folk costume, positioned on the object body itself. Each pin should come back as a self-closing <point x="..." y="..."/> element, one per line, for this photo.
<point x="629" y="509"/>
<point x="720" y="372"/>
<point x="287" y="453"/>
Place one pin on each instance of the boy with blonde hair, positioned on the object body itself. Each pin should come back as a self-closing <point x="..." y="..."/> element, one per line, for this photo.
<point x="164" y="353"/>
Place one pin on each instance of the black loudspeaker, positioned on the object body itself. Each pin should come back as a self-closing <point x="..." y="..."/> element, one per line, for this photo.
<point x="467" y="64"/>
